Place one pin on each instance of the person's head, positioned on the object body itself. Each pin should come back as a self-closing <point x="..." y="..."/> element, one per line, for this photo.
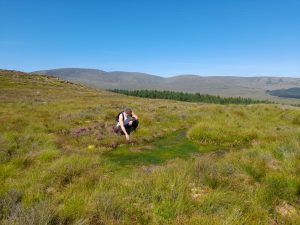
<point x="128" y="111"/>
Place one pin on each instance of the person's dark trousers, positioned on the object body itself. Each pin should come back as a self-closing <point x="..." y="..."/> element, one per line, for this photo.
<point x="131" y="128"/>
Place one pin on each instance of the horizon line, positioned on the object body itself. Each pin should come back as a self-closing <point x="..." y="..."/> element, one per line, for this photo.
<point x="163" y="76"/>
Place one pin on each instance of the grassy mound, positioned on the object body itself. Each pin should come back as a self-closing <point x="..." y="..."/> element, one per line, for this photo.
<point x="222" y="134"/>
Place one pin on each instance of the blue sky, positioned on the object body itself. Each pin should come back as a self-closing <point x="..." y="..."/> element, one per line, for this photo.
<point x="216" y="37"/>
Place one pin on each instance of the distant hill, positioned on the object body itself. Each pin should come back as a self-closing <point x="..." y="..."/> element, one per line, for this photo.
<point x="216" y="85"/>
<point x="286" y="93"/>
<point x="103" y="79"/>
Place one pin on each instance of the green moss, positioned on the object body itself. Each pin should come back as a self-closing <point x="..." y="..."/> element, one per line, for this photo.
<point x="168" y="147"/>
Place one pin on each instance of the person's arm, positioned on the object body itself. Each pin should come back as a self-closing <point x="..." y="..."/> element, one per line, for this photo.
<point x="122" y="126"/>
<point x="135" y="116"/>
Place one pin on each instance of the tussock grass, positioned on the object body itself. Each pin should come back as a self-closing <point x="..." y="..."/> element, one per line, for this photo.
<point x="236" y="165"/>
<point x="222" y="134"/>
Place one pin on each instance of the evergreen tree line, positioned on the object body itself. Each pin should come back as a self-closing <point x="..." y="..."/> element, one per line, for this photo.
<point x="188" y="97"/>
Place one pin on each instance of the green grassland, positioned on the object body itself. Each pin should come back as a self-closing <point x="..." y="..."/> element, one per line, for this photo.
<point x="187" y="163"/>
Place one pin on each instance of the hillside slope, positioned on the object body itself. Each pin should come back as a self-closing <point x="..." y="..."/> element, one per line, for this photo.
<point x="188" y="163"/>
<point x="105" y="80"/>
<point x="254" y="87"/>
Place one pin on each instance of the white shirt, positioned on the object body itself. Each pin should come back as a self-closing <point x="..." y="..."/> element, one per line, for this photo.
<point x="125" y="118"/>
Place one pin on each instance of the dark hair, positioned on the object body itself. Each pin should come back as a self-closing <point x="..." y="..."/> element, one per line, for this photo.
<point x="128" y="111"/>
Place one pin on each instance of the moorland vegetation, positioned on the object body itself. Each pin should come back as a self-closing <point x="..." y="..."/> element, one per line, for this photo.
<point x="188" y="163"/>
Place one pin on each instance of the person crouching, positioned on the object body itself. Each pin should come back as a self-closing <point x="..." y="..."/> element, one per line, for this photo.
<point x="127" y="122"/>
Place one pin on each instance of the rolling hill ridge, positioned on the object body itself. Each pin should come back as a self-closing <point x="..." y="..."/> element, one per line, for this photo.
<point x="254" y="87"/>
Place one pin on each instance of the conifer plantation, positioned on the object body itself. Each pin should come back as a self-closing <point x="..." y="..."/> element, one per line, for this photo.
<point x="188" y="97"/>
